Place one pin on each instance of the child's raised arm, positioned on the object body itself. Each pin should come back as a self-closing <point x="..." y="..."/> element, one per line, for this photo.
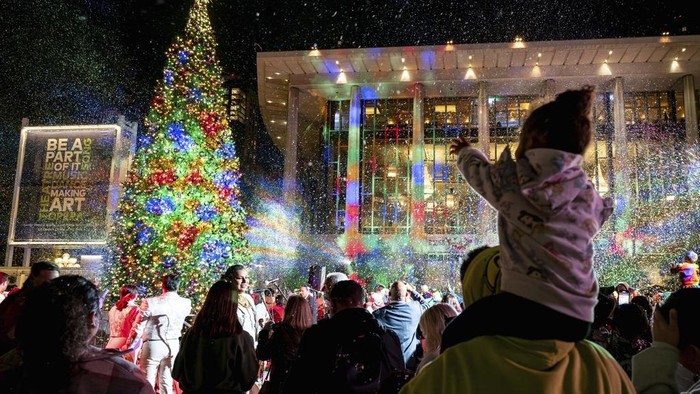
<point x="476" y="169"/>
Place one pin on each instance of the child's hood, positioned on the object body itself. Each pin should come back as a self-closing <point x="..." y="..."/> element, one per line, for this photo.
<point x="551" y="178"/>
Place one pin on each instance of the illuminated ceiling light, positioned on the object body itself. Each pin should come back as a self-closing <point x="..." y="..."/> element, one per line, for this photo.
<point x="269" y="101"/>
<point x="675" y="66"/>
<point x="470" y="73"/>
<point x="682" y="49"/>
<point x="342" y="78"/>
<point x="279" y="138"/>
<point x="675" y="59"/>
<point x="405" y="76"/>
<point x="315" y="51"/>
<point x="284" y="103"/>
<point x="610" y="52"/>
<point x="403" y="60"/>
<point x="276" y="73"/>
<point x="273" y="121"/>
<point x="285" y="122"/>
<point x="268" y="77"/>
<point x="337" y="62"/>
<point x="449" y="46"/>
<point x="539" y="54"/>
<point x="518" y="43"/>
<point x="470" y="58"/>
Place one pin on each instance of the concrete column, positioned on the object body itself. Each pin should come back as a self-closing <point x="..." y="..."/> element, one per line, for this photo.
<point x="417" y="164"/>
<point x="353" y="244"/>
<point x="691" y="113"/>
<point x="289" y="183"/>
<point x="549" y="90"/>
<point x="483" y="107"/>
<point x="622" y="191"/>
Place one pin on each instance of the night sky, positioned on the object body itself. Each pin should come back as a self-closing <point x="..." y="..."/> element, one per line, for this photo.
<point x="85" y="61"/>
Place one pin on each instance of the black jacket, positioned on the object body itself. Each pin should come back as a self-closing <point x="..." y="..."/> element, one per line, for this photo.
<point x="311" y="373"/>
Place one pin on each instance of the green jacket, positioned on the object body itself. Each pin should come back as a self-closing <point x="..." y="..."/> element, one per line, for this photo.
<point x="499" y="364"/>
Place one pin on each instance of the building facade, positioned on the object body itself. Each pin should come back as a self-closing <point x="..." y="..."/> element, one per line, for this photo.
<point x="365" y="132"/>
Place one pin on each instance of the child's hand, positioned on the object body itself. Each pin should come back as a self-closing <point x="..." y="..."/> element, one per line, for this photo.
<point x="457" y="145"/>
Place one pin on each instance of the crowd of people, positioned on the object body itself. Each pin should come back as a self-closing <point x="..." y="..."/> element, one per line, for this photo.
<point x="530" y="317"/>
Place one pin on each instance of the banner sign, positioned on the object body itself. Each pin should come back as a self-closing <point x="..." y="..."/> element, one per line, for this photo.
<point x="65" y="178"/>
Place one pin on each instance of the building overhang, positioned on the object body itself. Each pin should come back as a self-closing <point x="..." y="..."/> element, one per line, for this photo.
<point x="456" y="70"/>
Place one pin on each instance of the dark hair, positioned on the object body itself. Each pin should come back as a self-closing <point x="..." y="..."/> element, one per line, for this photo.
<point x="348" y="292"/>
<point x="36" y="270"/>
<point x="603" y="308"/>
<point x="685" y="302"/>
<point x="42" y="266"/>
<point x="219" y="314"/>
<point x="171" y="282"/>
<point x="468" y="259"/>
<point x="563" y="124"/>
<point x="231" y="271"/>
<point x="4" y="277"/>
<point x="630" y="320"/>
<point x="126" y="294"/>
<point x="54" y="330"/>
<point x="279" y="300"/>
<point x="643" y="301"/>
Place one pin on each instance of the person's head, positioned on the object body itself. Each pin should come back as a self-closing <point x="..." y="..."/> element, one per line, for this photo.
<point x="630" y="320"/>
<point x="432" y="324"/>
<point x="55" y="328"/>
<point x="279" y="300"/>
<point x="127" y="294"/>
<point x="40" y="273"/>
<point x="451" y="300"/>
<point x="563" y="124"/>
<point x="346" y="294"/>
<point x="398" y="291"/>
<point x="691" y="257"/>
<point x="297" y="313"/>
<point x="481" y="274"/>
<point x="686" y="303"/>
<point x="238" y="274"/>
<point x="331" y="280"/>
<point x="644" y="303"/>
<point x="170" y="282"/>
<point x="304" y="291"/>
<point x="4" y="281"/>
<point x="378" y="288"/>
<point x="218" y="316"/>
<point x="603" y="310"/>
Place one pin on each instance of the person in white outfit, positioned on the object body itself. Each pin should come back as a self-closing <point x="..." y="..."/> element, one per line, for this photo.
<point x="238" y="275"/>
<point x="159" y="325"/>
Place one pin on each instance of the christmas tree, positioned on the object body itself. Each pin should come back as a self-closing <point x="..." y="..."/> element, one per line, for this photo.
<point x="180" y="212"/>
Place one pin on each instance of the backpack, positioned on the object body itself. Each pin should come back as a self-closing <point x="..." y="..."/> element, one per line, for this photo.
<point x="358" y="362"/>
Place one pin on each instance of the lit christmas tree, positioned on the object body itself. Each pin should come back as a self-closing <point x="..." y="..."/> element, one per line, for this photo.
<point x="181" y="211"/>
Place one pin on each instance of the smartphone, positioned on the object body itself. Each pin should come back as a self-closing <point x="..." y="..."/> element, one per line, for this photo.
<point x="623" y="297"/>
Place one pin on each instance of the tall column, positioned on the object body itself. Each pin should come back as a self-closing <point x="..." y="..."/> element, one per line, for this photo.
<point x="483" y="108"/>
<point x="417" y="164"/>
<point x="691" y="113"/>
<point x="353" y="244"/>
<point x="289" y="183"/>
<point x="622" y="193"/>
<point x="549" y="90"/>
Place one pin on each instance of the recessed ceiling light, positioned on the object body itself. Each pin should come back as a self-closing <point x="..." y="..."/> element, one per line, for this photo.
<point x="268" y="77"/>
<point x="273" y="121"/>
<point x="276" y="73"/>
<point x="279" y="138"/>
<point x="269" y="101"/>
